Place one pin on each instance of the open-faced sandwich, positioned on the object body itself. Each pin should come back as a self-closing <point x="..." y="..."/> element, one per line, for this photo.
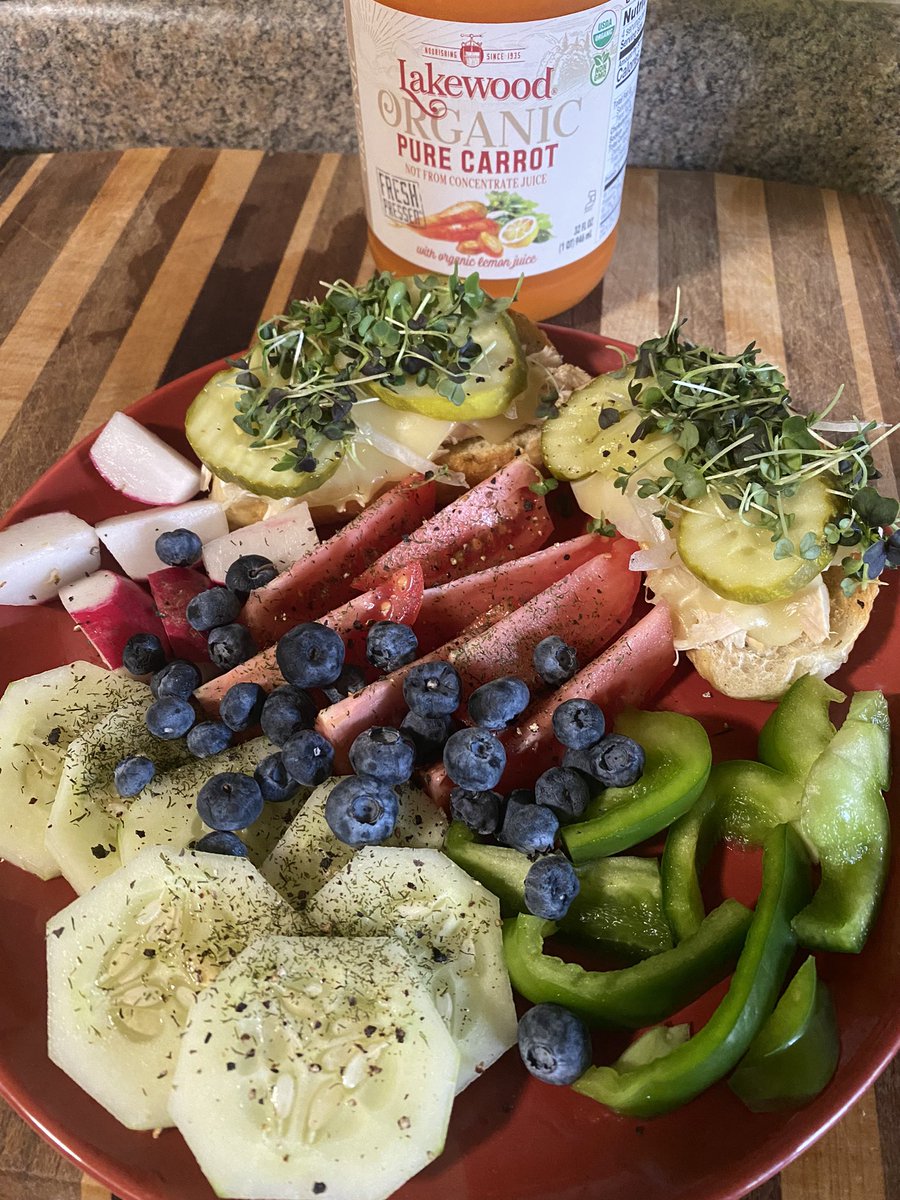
<point x="339" y="398"/>
<point x="759" y="524"/>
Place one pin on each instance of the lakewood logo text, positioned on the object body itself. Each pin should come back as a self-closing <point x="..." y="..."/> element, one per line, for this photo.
<point x="430" y="82"/>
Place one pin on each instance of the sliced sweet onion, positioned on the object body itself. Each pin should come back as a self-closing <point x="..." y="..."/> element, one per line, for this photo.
<point x="404" y="454"/>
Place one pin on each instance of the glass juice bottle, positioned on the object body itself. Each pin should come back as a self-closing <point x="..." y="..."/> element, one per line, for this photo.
<point x="494" y="134"/>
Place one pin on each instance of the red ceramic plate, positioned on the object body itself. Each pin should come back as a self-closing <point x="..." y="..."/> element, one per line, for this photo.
<point x="510" y="1138"/>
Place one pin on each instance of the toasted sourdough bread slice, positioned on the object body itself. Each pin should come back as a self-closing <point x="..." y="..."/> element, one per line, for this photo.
<point x="765" y="673"/>
<point x="477" y="458"/>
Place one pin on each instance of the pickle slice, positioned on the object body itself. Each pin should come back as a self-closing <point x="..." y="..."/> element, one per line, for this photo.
<point x="575" y="444"/>
<point x="498" y="377"/>
<point x="225" y="449"/>
<point x="735" y="556"/>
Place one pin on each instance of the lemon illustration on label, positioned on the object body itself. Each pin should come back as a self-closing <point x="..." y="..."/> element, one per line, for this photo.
<point x="520" y="232"/>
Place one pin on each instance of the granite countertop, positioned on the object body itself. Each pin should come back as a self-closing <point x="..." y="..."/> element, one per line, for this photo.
<point x="802" y="90"/>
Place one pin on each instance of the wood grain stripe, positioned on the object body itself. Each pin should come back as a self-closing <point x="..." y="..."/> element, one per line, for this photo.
<point x="145" y="349"/>
<point x="887" y="1100"/>
<point x="99" y="323"/>
<point x="338" y="241"/>
<point x="280" y="291"/>
<point x="872" y="229"/>
<point x="41" y="223"/>
<point x="17" y="178"/>
<point x="816" y="341"/>
<point x="688" y="245"/>
<point x="747" y="269"/>
<point x="91" y="1190"/>
<point x="223" y="319"/>
<point x="844" y="1165"/>
<point x="770" y="1190"/>
<point x="631" y="286"/>
<point x="37" y="333"/>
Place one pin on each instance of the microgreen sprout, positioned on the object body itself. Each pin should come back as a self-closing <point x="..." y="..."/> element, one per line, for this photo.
<point x="313" y="362"/>
<point x="732" y="419"/>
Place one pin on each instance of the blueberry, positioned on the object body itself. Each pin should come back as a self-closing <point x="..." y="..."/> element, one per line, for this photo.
<point x="554" y="660"/>
<point x="308" y="757"/>
<point x="474" y="759"/>
<point x="875" y="559"/>
<point x="527" y="826"/>
<point x="230" y="645"/>
<point x="132" y="774"/>
<point x="550" y="887"/>
<point x="208" y="738"/>
<point x="361" y="812"/>
<point x="390" y="645"/>
<point x="350" y="681"/>
<point x="286" y="710"/>
<point x="178" y="548"/>
<point x="310" y="655"/>
<point x="177" y="678"/>
<point x="212" y="608"/>
<point x="242" y="705"/>
<point x="219" y="842"/>
<point x="169" y="718"/>
<point x="478" y="811"/>
<point x="249" y="572"/>
<point x="578" y="724"/>
<point x="143" y="653"/>
<point x="578" y="760"/>
<point x="273" y="779"/>
<point x="229" y="800"/>
<point x="892" y="549"/>
<point x="384" y="754"/>
<point x="564" y="790"/>
<point x="555" y="1045"/>
<point x="616" y="761"/>
<point x="427" y="734"/>
<point x="497" y="704"/>
<point x="432" y="689"/>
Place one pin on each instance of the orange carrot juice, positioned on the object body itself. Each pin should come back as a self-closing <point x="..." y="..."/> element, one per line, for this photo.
<point x="494" y="134"/>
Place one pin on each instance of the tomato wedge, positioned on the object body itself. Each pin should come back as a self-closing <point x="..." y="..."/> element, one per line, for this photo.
<point x="323" y="579"/>
<point x="397" y="599"/>
<point x="448" y="609"/>
<point x="498" y="520"/>
<point x="588" y="607"/>
<point x="630" y="672"/>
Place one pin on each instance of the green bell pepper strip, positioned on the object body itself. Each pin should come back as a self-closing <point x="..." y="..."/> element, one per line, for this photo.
<point x="799" y="729"/>
<point x="618" y="907"/>
<point x="742" y="801"/>
<point x="678" y="760"/>
<point x="795" y="1054"/>
<point x="634" y="996"/>
<point x="845" y="821"/>
<point x="677" y="1077"/>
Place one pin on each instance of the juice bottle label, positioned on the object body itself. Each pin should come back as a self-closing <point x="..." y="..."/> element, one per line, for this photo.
<point x="501" y="147"/>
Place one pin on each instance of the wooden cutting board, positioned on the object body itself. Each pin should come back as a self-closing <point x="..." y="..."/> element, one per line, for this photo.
<point x="121" y="271"/>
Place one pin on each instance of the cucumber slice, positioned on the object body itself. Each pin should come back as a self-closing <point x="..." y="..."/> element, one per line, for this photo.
<point x="225" y="449"/>
<point x="309" y="854"/>
<point x="125" y="962"/>
<point x="165" y="812"/>
<point x="735" y="556"/>
<point x="39" y="717"/>
<point x="451" y="926"/>
<point x="314" y="1066"/>
<point x="574" y="445"/>
<point x="497" y="378"/>
<point x="86" y="816"/>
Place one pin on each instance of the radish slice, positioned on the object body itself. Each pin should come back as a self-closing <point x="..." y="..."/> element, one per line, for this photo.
<point x="138" y="463"/>
<point x="109" y="609"/>
<point x="131" y="539"/>
<point x="42" y="554"/>
<point x="172" y="589"/>
<point x="282" y="539"/>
